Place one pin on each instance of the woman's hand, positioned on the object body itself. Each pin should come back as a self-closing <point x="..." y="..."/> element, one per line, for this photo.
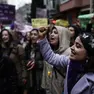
<point x="42" y="32"/>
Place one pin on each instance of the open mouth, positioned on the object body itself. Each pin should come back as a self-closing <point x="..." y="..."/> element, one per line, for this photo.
<point x="52" y="38"/>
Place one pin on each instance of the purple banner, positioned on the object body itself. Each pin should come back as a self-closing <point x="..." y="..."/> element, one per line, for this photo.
<point x="7" y="12"/>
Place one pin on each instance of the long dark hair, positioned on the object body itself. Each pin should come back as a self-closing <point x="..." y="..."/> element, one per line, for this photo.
<point x="87" y="40"/>
<point x="10" y="35"/>
<point x="77" y="32"/>
<point x="90" y="65"/>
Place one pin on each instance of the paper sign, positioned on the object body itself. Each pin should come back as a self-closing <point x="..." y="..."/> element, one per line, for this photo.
<point x="39" y="22"/>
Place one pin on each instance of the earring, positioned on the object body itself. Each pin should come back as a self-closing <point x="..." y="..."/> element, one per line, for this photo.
<point x="86" y="60"/>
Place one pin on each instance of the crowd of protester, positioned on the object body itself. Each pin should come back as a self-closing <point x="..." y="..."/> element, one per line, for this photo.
<point x="47" y="60"/>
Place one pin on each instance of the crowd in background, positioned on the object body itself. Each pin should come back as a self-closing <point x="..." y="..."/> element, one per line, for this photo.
<point x="23" y="70"/>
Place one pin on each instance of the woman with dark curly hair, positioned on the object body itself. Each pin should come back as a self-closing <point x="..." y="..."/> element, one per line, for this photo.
<point x="15" y="52"/>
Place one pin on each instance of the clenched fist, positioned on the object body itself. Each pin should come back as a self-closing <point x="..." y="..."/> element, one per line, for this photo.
<point x="42" y="32"/>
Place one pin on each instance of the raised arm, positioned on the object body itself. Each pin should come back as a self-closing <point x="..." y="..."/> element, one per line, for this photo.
<point x="50" y="56"/>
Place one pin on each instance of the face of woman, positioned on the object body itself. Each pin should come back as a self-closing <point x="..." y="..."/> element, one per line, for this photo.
<point x="54" y="37"/>
<point x="34" y="36"/>
<point x="78" y="52"/>
<point x="28" y="36"/>
<point x="5" y="36"/>
<point x="72" y="31"/>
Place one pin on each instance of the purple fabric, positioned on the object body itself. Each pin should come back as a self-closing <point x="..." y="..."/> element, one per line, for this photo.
<point x="84" y="86"/>
<point x="74" y="72"/>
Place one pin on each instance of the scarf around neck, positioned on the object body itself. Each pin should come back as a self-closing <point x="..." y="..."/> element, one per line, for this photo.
<point x="75" y="72"/>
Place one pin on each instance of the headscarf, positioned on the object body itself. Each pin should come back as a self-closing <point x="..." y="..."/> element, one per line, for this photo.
<point x="64" y="39"/>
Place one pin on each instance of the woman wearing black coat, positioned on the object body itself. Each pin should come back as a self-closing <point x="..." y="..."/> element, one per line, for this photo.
<point x="34" y="72"/>
<point x="8" y="77"/>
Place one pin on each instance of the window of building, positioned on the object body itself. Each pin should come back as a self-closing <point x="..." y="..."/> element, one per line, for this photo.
<point x="63" y="1"/>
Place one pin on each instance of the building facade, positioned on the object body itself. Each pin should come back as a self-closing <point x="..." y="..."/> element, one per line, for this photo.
<point x="3" y="1"/>
<point x="91" y="6"/>
<point x="70" y="9"/>
<point x="52" y="6"/>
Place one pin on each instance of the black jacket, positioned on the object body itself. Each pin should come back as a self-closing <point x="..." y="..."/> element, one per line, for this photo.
<point x="38" y="56"/>
<point x="8" y="77"/>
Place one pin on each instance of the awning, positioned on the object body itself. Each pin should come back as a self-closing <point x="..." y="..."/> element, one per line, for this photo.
<point x="86" y="16"/>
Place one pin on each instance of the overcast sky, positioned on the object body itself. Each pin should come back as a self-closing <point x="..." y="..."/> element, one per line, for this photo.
<point x="18" y="3"/>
